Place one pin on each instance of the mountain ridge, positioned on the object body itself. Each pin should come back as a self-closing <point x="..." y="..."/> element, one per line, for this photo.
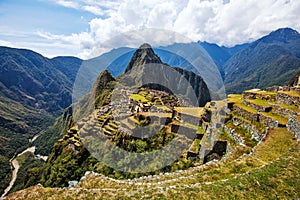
<point x="244" y="69"/>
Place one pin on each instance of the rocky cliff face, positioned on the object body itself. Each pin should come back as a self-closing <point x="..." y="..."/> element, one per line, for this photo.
<point x="146" y="68"/>
<point x="143" y="55"/>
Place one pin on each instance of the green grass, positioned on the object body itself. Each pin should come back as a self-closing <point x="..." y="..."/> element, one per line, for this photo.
<point x="279" y="118"/>
<point x="291" y="93"/>
<point x="277" y="180"/>
<point x="259" y="126"/>
<point x="262" y="92"/>
<point x="193" y="111"/>
<point x="247" y="137"/>
<point x="138" y="97"/>
<point x="260" y="102"/>
<point x="277" y="141"/>
<point x="246" y="108"/>
<point x="195" y="146"/>
<point x="225" y="136"/>
<point x="192" y="126"/>
<point x="156" y="114"/>
<point x="165" y="108"/>
<point x="235" y="98"/>
<point x="290" y="107"/>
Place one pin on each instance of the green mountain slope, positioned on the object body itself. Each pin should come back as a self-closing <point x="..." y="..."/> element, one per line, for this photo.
<point x="33" y="91"/>
<point x="268" y="61"/>
<point x="69" y="159"/>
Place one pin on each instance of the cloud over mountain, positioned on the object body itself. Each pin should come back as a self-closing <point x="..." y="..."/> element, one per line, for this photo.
<point x="219" y="21"/>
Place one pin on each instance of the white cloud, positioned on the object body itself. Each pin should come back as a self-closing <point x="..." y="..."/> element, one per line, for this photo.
<point x="94" y="10"/>
<point x="83" y="40"/>
<point x="223" y="22"/>
<point x="68" y="4"/>
<point x="241" y="21"/>
<point x="5" y="43"/>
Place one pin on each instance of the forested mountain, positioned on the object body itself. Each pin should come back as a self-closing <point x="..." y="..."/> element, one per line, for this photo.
<point x="34" y="90"/>
<point x="271" y="60"/>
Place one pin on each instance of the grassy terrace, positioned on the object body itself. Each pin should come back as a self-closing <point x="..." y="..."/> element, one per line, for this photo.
<point x="259" y="126"/>
<point x="165" y="108"/>
<point x="193" y="111"/>
<point x="138" y="97"/>
<point x="247" y="137"/>
<point x="237" y="100"/>
<point x="225" y="136"/>
<point x="291" y="93"/>
<point x="277" y="141"/>
<point x="262" y="92"/>
<point x="156" y="114"/>
<point x="260" y="102"/>
<point x="290" y="107"/>
<point x="279" y="118"/>
<point x="146" y="95"/>
<point x="248" y="177"/>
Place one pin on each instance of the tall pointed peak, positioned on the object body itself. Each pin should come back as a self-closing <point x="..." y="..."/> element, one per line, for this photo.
<point x="143" y="55"/>
<point x="145" y="46"/>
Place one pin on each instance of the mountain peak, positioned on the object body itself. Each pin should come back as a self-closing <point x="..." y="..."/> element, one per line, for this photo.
<point x="281" y="35"/>
<point x="143" y="55"/>
<point x="285" y="31"/>
<point x="145" y="46"/>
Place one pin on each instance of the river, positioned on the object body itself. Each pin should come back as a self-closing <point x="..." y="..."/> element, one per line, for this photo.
<point x="15" y="166"/>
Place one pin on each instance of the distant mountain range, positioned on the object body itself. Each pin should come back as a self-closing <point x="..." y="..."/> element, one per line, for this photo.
<point x="271" y="60"/>
<point x="34" y="90"/>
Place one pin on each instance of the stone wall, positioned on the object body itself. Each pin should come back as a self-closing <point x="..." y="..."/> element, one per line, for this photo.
<point x="233" y="135"/>
<point x="294" y="126"/>
<point x="256" y="95"/>
<point x="182" y="130"/>
<point x="256" y="134"/>
<point x="191" y="119"/>
<point x="283" y="98"/>
<point x="267" y="121"/>
<point x="283" y="111"/>
<point x="277" y="88"/>
<point x="207" y="115"/>
<point x="257" y="107"/>
<point x="217" y="152"/>
<point x="246" y="114"/>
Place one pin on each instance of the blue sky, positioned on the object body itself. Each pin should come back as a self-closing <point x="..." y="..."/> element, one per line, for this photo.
<point x="20" y="20"/>
<point x="81" y="27"/>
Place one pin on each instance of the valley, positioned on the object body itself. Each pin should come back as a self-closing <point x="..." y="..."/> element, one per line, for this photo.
<point x="151" y="124"/>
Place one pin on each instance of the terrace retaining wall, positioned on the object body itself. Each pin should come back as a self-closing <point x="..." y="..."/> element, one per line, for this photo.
<point x="256" y="134"/>
<point x="246" y="114"/>
<point x="268" y="122"/>
<point x="257" y="107"/>
<point x="282" y="98"/>
<point x="283" y="111"/>
<point x="294" y="126"/>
